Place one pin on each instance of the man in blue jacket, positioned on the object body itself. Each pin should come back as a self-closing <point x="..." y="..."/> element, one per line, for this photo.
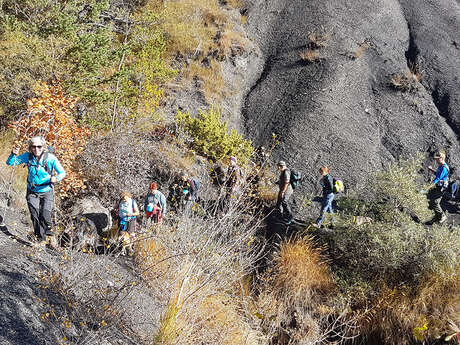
<point x="440" y="184"/>
<point x="44" y="169"/>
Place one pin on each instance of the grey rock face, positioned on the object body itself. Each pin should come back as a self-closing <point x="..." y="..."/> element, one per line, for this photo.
<point x="91" y="209"/>
<point x="341" y="109"/>
<point x="434" y="28"/>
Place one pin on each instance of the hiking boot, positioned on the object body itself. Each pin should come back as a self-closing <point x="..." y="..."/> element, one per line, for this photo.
<point x="442" y="219"/>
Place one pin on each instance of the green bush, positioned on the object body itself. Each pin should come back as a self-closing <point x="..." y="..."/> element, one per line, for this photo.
<point x="210" y="136"/>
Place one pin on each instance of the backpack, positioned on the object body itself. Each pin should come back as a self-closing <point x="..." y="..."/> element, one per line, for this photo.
<point x="295" y="178"/>
<point x="338" y="186"/>
<point x="42" y="162"/>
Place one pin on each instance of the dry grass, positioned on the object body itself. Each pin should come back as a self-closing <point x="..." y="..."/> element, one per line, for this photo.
<point x="310" y="55"/>
<point x="232" y="42"/>
<point x="406" y="81"/>
<point x="398" y="314"/>
<point x="213" y="84"/>
<point x="267" y="191"/>
<point x="194" y="267"/>
<point x="18" y="176"/>
<point x="295" y="300"/>
<point x="190" y="24"/>
<point x="301" y="268"/>
<point x="319" y="39"/>
<point x="360" y="51"/>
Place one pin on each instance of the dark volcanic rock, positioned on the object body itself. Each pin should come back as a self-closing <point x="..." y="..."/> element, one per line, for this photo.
<point x="341" y="109"/>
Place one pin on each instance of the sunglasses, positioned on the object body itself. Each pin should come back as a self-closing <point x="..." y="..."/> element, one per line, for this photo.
<point x="36" y="146"/>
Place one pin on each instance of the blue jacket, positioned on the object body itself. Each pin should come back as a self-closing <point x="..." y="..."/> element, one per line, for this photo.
<point x="38" y="179"/>
<point x="442" y="174"/>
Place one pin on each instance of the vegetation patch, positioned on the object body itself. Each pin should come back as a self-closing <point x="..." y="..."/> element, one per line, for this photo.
<point x="210" y="136"/>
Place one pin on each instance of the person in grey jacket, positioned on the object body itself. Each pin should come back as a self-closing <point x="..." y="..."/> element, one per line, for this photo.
<point x="44" y="169"/>
<point x="155" y="204"/>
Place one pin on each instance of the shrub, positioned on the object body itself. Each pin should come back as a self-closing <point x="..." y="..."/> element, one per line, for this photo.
<point x="395" y="271"/>
<point x="70" y="42"/>
<point x="50" y="115"/>
<point x="310" y="55"/>
<point x="195" y="266"/>
<point x="210" y="136"/>
<point x="294" y="301"/>
<point x="406" y="81"/>
<point x="319" y="39"/>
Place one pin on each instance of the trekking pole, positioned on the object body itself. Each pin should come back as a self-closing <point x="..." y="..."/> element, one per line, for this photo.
<point x="10" y="183"/>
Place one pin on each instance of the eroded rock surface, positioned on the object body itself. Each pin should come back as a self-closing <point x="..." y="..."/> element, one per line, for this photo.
<point x="341" y="109"/>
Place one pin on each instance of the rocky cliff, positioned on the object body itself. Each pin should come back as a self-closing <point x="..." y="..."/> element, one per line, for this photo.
<point x="330" y="86"/>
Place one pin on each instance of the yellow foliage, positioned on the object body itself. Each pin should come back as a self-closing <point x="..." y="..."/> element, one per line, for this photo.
<point x="50" y="115"/>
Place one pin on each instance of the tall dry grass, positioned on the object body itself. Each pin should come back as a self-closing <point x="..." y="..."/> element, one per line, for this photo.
<point x="12" y="179"/>
<point x="195" y="267"/>
<point x="295" y="299"/>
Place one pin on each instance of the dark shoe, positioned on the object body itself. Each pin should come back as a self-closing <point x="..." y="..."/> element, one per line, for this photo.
<point x="49" y="232"/>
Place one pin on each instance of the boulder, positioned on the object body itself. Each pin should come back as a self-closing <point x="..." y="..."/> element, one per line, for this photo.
<point x="94" y="215"/>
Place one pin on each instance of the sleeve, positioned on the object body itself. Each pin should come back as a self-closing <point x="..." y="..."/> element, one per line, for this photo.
<point x="441" y="174"/>
<point x="146" y="201"/>
<point x="192" y="187"/>
<point x="56" y="166"/>
<point x="331" y="183"/>
<point x="135" y="208"/>
<point x="287" y="176"/>
<point x="163" y="203"/>
<point x="16" y="160"/>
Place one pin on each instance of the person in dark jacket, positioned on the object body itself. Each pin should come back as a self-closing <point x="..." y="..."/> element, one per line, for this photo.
<point x="44" y="169"/>
<point x="190" y="189"/>
<point x="284" y="193"/>
<point x="328" y="195"/>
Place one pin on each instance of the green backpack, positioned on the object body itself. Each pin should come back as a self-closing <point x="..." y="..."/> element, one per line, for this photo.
<point x="295" y="178"/>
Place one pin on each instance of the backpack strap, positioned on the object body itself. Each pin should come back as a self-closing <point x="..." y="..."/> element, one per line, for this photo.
<point x="42" y="161"/>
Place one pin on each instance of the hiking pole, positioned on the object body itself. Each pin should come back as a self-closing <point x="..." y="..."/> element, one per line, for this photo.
<point x="10" y="183"/>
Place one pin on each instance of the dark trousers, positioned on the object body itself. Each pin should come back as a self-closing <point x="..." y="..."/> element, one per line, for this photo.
<point x="283" y="205"/>
<point x="40" y="207"/>
<point x="435" y="196"/>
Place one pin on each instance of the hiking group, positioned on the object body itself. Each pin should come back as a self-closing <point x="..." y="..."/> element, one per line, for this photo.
<point x="288" y="180"/>
<point x="44" y="170"/>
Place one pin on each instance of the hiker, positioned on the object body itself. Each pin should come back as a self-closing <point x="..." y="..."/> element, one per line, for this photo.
<point x="154" y="204"/>
<point x="285" y="192"/>
<point x="453" y="191"/>
<point x="127" y="214"/>
<point x="190" y="187"/>
<point x="232" y="181"/>
<point x="440" y="184"/>
<point x="44" y="169"/>
<point x="328" y="195"/>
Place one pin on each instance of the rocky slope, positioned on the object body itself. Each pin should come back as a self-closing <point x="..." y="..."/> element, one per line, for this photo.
<point x="341" y="109"/>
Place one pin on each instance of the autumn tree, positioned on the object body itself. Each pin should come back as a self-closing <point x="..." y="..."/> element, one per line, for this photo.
<point x="49" y="114"/>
